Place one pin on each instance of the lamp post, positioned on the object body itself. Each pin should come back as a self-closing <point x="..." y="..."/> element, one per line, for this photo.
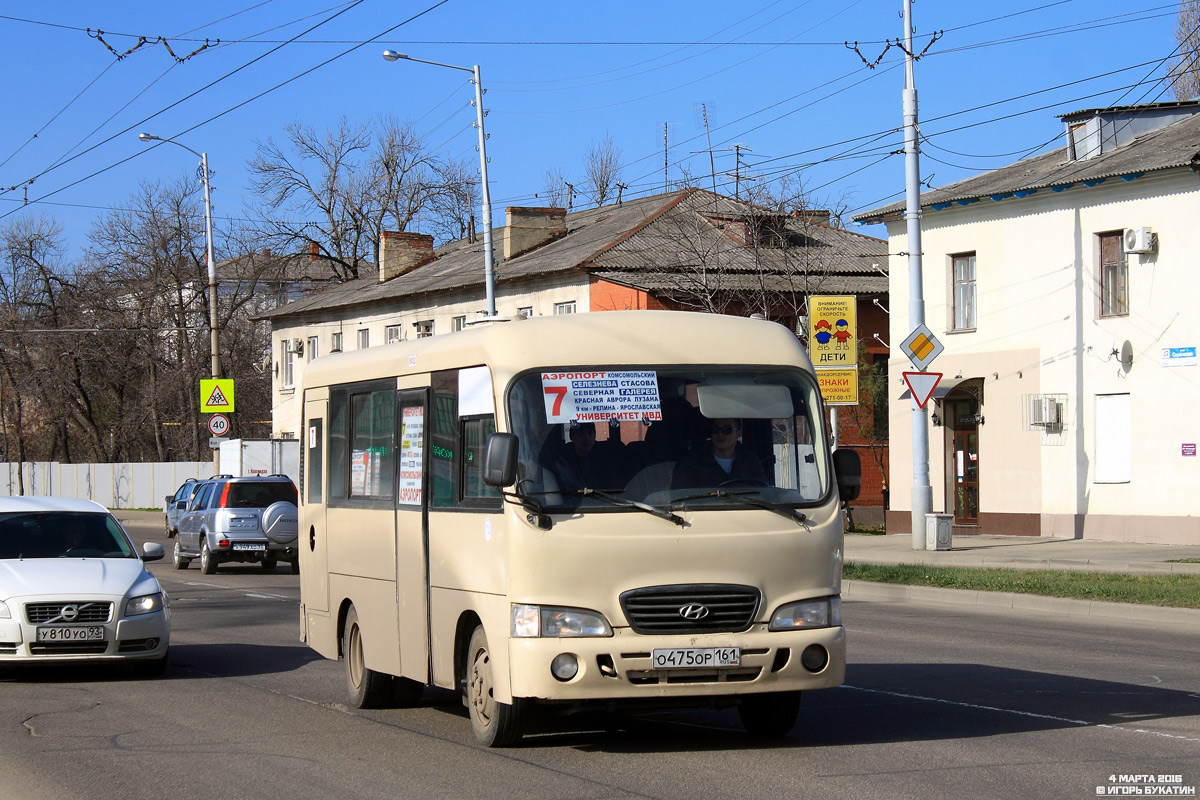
<point x="489" y="275"/>
<point x="212" y="266"/>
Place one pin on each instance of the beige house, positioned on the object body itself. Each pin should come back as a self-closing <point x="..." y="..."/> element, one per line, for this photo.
<point x="688" y="249"/>
<point x="1063" y="288"/>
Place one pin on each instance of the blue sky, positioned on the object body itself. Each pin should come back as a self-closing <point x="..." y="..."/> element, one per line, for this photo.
<point x="775" y="77"/>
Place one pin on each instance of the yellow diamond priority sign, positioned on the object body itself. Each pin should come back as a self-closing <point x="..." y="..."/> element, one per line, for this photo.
<point x="216" y="395"/>
<point x="921" y="347"/>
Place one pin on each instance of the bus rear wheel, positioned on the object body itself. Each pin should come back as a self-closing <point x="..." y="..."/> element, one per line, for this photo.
<point x="769" y="714"/>
<point x="495" y="724"/>
<point x="366" y="687"/>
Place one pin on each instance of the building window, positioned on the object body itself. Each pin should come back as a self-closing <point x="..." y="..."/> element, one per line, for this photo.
<point x="526" y="312"/>
<point x="564" y="308"/>
<point x="364" y="339"/>
<point x="458" y="323"/>
<point x="1114" y="438"/>
<point x="1114" y="276"/>
<point x="335" y="342"/>
<point x="311" y="352"/>
<point x="287" y="376"/>
<point x="963" y="297"/>
<point x="424" y="328"/>
<point x="391" y="334"/>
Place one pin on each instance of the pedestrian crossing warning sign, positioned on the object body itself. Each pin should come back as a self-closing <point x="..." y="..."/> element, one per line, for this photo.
<point x="216" y="395"/>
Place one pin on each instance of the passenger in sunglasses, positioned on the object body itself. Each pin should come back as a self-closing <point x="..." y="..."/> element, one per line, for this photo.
<point x="722" y="459"/>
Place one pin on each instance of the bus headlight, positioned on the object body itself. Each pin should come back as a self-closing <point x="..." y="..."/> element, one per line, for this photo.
<point x="3" y="611"/>
<point x="823" y="613"/>
<point x="529" y="621"/>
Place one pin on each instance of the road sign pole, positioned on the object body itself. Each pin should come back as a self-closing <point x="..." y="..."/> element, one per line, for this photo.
<point x="922" y="493"/>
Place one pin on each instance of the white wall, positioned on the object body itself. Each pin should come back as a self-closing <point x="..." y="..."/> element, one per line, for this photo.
<point x="120" y="485"/>
<point x="1039" y="332"/>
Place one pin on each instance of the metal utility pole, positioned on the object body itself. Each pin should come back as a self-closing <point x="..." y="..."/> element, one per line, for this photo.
<point x="922" y="493"/>
<point x="489" y="267"/>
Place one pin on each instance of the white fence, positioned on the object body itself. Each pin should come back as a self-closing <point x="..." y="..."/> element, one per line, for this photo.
<point x="123" y="485"/>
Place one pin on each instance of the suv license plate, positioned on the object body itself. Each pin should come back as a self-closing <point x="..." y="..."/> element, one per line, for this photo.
<point x="90" y="633"/>
<point x="696" y="657"/>
<point x="253" y="548"/>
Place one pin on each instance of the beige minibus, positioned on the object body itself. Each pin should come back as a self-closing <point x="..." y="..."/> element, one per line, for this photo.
<point x="627" y="509"/>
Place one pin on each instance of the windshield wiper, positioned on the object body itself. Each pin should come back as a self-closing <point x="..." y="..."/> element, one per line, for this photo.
<point x="778" y="508"/>
<point x="623" y="503"/>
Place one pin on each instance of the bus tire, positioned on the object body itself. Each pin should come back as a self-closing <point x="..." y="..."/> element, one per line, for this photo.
<point x="495" y="724"/>
<point x="366" y="687"/>
<point x="769" y="714"/>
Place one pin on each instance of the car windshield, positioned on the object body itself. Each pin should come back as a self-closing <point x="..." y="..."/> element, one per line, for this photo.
<point x="62" y="534"/>
<point x="669" y="437"/>
<point x="251" y="494"/>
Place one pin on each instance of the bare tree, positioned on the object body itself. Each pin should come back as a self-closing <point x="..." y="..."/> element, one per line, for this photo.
<point x="555" y="189"/>
<point x="602" y="166"/>
<point x="1185" y="69"/>
<point x="337" y="190"/>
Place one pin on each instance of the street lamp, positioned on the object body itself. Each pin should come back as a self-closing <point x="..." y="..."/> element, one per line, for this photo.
<point x="489" y="276"/>
<point x="212" y="266"/>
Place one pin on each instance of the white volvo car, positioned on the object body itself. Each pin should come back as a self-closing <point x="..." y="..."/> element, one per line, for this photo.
<point x="74" y="588"/>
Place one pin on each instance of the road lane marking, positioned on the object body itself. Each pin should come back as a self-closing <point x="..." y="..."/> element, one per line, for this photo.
<point x="1081" y="723"/>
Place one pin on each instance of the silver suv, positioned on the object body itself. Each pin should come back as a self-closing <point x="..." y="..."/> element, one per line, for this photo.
<point x="251" y="519"/>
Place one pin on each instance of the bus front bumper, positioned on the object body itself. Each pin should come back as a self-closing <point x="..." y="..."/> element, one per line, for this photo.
<point x="621" y="667"/>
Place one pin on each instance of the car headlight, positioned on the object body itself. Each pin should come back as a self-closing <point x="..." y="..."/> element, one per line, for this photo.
<point x="4" y="611"/>
<point x="146" y="604"/>
<point x="530" y="621"/>
<point x="823" y="613"/>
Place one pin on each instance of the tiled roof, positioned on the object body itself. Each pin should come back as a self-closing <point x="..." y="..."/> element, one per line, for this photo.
<point x="1170" y="147"/>
<point x="641" y="242"/>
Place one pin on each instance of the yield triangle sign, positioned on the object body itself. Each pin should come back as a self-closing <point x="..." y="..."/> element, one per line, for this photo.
<point x="217" y="398"/>
<point x="921" y="385"/>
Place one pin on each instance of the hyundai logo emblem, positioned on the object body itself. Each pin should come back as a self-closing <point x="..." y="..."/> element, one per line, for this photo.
<point x="694" y="612"/>
<point x="70" y="613"/>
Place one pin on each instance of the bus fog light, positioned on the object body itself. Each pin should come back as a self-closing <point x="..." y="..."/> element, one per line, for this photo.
<point x="565" y="666"/>
<point x="814" y="658"/>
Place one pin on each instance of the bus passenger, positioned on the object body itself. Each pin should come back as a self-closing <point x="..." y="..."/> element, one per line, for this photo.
<point x="720" y="460"/>
<point x="580" y="463"/>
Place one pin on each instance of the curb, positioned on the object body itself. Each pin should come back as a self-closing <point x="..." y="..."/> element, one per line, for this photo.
<point x="1130" y="612"/>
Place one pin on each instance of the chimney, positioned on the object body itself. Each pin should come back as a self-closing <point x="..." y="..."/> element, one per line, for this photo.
<point x="401" y="252"/>
<point x="527" y="228"/>
<point x="811" y="215"/>
<point x="314" y="251"/>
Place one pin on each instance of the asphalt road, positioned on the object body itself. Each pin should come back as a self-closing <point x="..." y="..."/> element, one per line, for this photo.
<point x="939" y="704"/>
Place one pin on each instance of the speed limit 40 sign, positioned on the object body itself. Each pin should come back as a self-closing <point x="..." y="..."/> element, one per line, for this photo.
<point x="218" y="424"/>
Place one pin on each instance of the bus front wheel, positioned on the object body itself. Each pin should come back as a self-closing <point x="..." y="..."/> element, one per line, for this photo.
<point x="495" y="724"/>
<point x="366" y="687"/>
<point x="771" y="714"/>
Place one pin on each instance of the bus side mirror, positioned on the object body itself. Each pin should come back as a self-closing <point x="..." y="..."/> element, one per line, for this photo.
<point x="500" y="460"/>
<point x="848" y="468"/>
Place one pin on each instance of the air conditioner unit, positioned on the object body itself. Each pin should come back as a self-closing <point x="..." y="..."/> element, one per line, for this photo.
<point x="1140" y="240"/>
<point x="295" y="346"/>
<point x="1045" y="411"/>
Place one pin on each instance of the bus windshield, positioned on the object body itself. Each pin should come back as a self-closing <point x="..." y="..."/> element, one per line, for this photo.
<point x="668" y="437"/>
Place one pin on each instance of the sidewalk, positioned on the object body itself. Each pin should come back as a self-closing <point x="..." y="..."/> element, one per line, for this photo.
<point x="1024" y="552"/>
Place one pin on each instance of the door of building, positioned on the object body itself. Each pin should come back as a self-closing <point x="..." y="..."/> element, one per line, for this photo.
<point x="965" y="466"/>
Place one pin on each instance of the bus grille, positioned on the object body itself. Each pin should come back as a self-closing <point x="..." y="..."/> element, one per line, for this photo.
<point x="690" y="608"/>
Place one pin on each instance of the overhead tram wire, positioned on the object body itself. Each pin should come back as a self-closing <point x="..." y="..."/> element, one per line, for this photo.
<point x="220" y="114"/>
<point x="189" y="96"/>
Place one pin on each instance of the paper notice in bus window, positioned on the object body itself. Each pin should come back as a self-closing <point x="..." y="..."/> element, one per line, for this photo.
<point x="601" y="396"/>
<point x="359" y="465"/>
<point x="412" y="447"/>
